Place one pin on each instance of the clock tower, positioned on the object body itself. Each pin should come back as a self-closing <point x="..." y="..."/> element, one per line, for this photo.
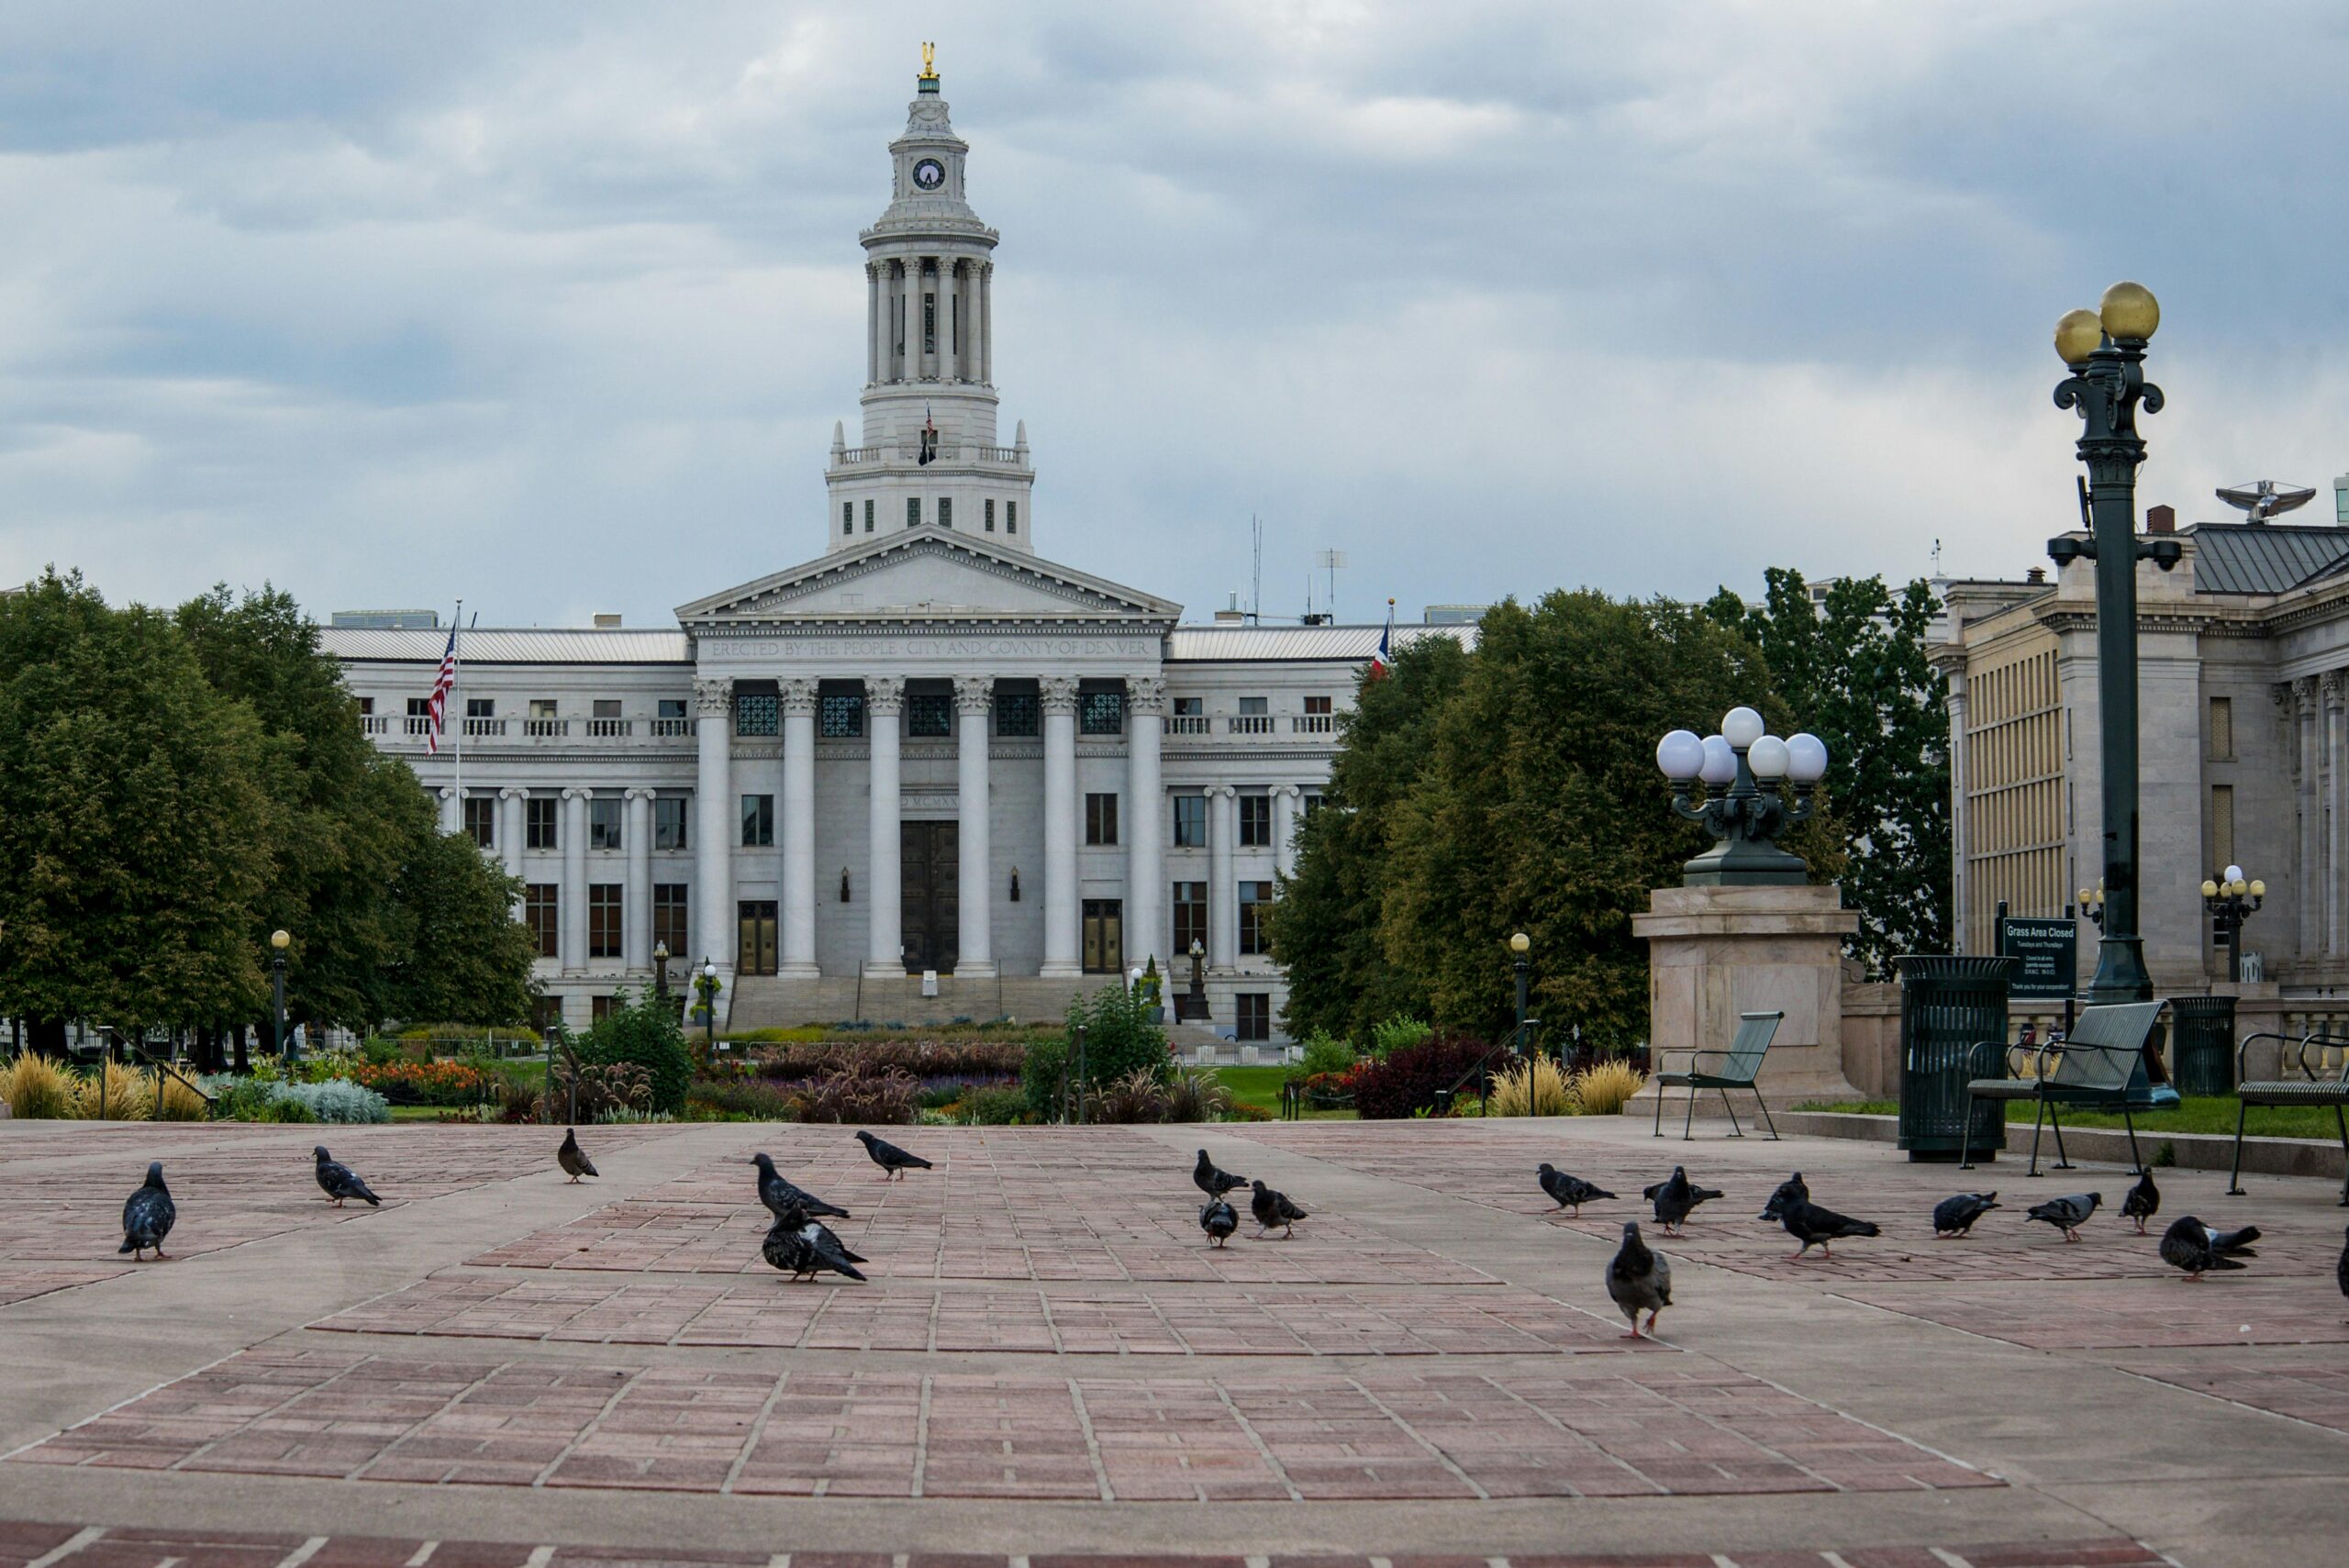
<point x="930" y="454"/>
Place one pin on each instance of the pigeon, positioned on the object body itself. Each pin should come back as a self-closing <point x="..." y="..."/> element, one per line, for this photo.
<point x="1570" y="1192"/>
<point x="1676" y="1198"/>
<point x="892" y="1159"/>
<point x="2144" y="1201"/>
<point x="1639" y="1279"/>
<point x="2234" y="1243"/>
<point x="1956" y="1216"/>
<point x="2067" y="1214"/>
<point x="339" y="1181"/>
<point x="1218" y="1219"/>
<point x="2340" y="1270"/>
<point x="804" y="1247"/>
<point x="1211" y="1180"/>
<point x="778" y="1192"/>
<point x="1794" y="1189"/>
<point x="1809" y="1224"/>
<point x="147" y="1217"/>
<point x="2191" y="1245"/>
<point x="573" y="1159"/>
<point x="1272" y="1208"/>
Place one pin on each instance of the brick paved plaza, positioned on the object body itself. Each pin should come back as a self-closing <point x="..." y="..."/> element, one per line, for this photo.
<point x="1049" y="1365"/>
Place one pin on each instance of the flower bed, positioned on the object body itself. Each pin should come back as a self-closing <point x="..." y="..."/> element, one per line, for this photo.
<point x="424" y="1082"/>
<point x="973" y="1059"/>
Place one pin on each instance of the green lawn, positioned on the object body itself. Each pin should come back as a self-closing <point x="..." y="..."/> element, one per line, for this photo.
<point x="2200" y="1113"/>
<point x="1260" y="1087"/>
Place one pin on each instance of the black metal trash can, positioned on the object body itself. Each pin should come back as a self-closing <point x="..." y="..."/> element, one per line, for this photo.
<point x="1948" y="1005"/>
<point x="2203" y="1054"/>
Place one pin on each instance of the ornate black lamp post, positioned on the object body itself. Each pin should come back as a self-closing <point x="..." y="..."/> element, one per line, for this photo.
<point x="1744" y="773"/>
<point x="2230" y="901"/>
<point x="2105" y="350"/>
<point x="1519" y="946"/>
<point x="279" y="941"/>
<point x="660" y="969"/>
<point x="707" y="984"/>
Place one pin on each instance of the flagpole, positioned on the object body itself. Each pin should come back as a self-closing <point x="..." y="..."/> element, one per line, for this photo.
<point x="456" y="679"/>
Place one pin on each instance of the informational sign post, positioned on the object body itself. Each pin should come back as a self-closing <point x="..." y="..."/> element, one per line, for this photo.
<point x="2047" y="955"/>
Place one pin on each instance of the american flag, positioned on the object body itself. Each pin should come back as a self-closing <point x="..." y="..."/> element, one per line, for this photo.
<point x="442" y="684"/>
<point x="1381" y="661"/>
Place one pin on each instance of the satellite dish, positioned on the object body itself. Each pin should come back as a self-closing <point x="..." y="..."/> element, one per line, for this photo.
<point x="2265" y="499"/>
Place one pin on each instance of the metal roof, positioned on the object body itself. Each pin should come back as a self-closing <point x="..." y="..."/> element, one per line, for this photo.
<point x="2263" y="558"/>
<point x="1252" y="644"/>
<point x="553" y="645"/>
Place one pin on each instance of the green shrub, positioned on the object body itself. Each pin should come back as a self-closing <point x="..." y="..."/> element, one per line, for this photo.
<point x="1119" y="1038"/>
<point x="1324" y="1054"/>
<point x="377" y="1052"/>
<point x="1042" y="1079"/>
<point x="993" y="1108"/>
<point x="1399" y="1032"/>
<point x="339" y="1101"/>
<point x="287" y="1110"/>
<point x="646" y="1033"/>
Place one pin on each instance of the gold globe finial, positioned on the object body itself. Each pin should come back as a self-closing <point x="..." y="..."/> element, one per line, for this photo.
<point x="2079" y="334"/>
<point x="929" y="63"/>
<point x="2128" y="310"/>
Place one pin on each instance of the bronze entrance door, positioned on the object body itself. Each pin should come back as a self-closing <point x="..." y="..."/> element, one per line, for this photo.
<point x="1104" y="936"/>
<point x="754" y="945"/>
<point x="929" y="882"/>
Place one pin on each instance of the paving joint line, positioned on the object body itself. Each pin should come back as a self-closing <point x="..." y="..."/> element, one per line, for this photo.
<point x="1272" y="1460"/>
<point x="1092" y="1441"/>
<point x="1421" y="1439"/>
<point x="593" y="1425"/>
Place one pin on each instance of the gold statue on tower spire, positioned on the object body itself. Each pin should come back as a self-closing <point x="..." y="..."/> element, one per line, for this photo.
<point x="929" y="63"/>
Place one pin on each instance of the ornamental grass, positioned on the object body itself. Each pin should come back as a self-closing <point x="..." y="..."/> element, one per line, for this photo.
<point x="38" y="1089"/>
<point x="181" y="1102"/>
<point x="1606" y="1087"/>
<point x="1538" y="1087"/>
<point x="117" y="1092"/>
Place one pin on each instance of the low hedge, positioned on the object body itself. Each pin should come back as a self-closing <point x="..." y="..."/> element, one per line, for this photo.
<point x="1406" y="1081"/>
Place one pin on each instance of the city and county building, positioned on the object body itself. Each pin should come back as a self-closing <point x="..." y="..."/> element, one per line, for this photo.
<point x="2243" y="701"/>
<point x="929" y="750"/>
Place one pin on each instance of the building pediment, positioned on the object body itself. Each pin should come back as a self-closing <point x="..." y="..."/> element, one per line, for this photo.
<point x="930" y="576"/>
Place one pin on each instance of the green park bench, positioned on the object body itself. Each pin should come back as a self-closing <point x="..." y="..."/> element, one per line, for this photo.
<point x="2100" y="1065"/>
<point x="1739" y="1063"/>
<point x="2311" y="1088"/>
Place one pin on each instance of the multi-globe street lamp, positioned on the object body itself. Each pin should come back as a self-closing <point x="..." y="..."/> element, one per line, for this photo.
<point x="2230" y="900"/>
<point x="1745" y="772"/>
<point x="2104" y="348"/>
<point x="2092" y="904"/>
<point x="279" y="941"/>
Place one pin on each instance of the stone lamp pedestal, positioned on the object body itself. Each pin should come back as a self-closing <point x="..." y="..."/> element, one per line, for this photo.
<point x="1715" y="952"/>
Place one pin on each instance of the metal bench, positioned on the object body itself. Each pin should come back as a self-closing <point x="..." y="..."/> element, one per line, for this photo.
<point x="1739" y="1063"/>
<point x="2309" y="1089"/>
<point x="2096" y="1067"/>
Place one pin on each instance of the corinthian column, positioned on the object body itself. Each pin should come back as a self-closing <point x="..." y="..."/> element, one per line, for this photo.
<point x="975" y="878"/>
<point x="573" y="935"/>
<point x="715" y="828"/>
<point x="2336" y="812"/>
<point x="1062" y="957"/>
<point x="636" y="920"/>
<point x="799" y="830"/>
<point x="2309" y="902"/>
<point x="885" y="699"/>
<point x="1224" y="893"/>
<point x="1145" y="824"/>
<point x="1285" y="828"/>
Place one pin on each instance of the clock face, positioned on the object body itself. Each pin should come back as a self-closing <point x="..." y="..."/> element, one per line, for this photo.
<point x="929" y="173"/>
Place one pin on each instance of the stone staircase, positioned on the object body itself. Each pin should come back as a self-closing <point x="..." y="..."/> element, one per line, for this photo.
<point x="772" y="1002"/>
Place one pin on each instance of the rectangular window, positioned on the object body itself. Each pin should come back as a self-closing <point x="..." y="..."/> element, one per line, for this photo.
<point x="604" y="822"/>
<point x="848" y="517"/>
<point x="946" y="511"/>
<point x="1309" y="805"/>
<point x="419" y="716"/>
<point x="929" y="324"/>
<point x="1011" y="516"/>
<point x="2223" y="827"/>
<point x="1190" y="821"/>
<point x="757" y="713"/>
<point x="671" y="707"/>
<point x="1015" y="714"/>
<point x="1100" y="818"/>
<point x="868" y="516"/>
<point x="481" y="819"/>
<point x="1252" y="1014"/>
<point x="1254" y="705"/>
<point x="990" y="514"/>
<point x="480" y="707"/>
<point x="1101" y="713"/>
<point x="542" y="912"/>
<point x="929" y="714"/>
<point x="602" y="1007"/>
<point x="1255" y="898"/>
<point x="840" y="716"/>
<point x="1190" y="708"/>
<point x="606" y="707"/>
<point x="1190" y="916"/>
<point x="539" y="815"/>
<point x="669" y="822"/>
<point x="603" y="919"/>
<point x="669" y="927"/>
<point x="1317" y="705"/>
<point x="2223" y="732"/>
<point x="913" y="511"/>
<point x="366" y="706"/>
<point x="542" y="707"/>
<point x="758" y="821"/>
<point x="1256" y="821"/>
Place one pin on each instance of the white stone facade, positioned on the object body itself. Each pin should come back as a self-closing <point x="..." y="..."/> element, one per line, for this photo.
<point x="927" y="749"/>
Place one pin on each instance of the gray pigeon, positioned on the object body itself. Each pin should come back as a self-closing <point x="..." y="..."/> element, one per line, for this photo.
<point x="1639" y="1279"/>
<point x="340" y="1182"/>
<point x="1212" y="1180"/>
<point x="1218" y="1219"/>
<point x="778" y="1192"/>
<point x="1272" y="1208"/>
<point x="1816" y="1226"/>
<point x="1674" y="1199"/>
<point x="2143" y="1201"/>
<point x="148" y="1217"/>
<point x="1956" y="1216"/>
<point x="804" y="1247"/>
<point x="1792" y="1190"/>
<point x="2340" y="1270"/>
<point x="893" y="1160"/>
<point x="573" y="1159"/>
<point x="1569" y="1191"/>
<point x="2190" y="1245"/>
<point x="2067" y="1214"/>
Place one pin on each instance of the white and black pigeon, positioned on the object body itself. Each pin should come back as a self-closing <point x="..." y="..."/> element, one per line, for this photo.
<point x="573" y="1159"/>
<point x="2190" y="1245"/>
<point x="1956" y="1216"/>
<point x="1674" y="1197"/>
<point x="2142" y="1202"/>
<point x="803" y="1247"/>
<point x="894" y="1162"/>
<point x="1639" y="1281"/>
<point x="1568" y="1191"/>
<point x="148" y="1217"/>
<point x="1812" y="1226"/>
<point x="1272" y="1208"/>
<point x="1213" y="1179"/>
<point x="779" y="1192"/>
<point x="2067" y="1214"/>
<point x="340" y="1182"/>
<point x="1218" y="1219"/>
<point x="1794" y="1189"/>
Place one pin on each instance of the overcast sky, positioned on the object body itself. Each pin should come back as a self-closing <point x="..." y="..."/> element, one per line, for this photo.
<point x="554" y="305"/>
